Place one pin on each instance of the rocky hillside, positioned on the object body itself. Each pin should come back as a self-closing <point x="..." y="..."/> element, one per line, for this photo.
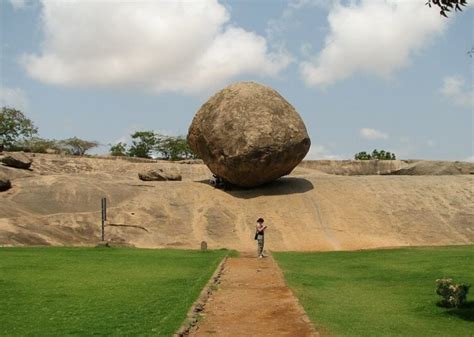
<point x="57" y="202"/>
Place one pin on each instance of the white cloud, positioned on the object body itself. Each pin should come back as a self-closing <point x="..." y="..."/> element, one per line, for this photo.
<point x="13" y="98"/>
<point x="372" y="134"/>
<point x="321" y="152"/>
<point x="371" y="36"/>
<point x="162" y="46"/>
<point x="455" y="88"/>
<point x="469" y="159"/>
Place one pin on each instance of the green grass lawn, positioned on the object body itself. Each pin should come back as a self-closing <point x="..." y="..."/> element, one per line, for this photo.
<point x="382" y="292"/>
<point x="99" y="291"/>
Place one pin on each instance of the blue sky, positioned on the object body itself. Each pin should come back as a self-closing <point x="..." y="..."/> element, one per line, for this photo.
<point x="385" y="74"/>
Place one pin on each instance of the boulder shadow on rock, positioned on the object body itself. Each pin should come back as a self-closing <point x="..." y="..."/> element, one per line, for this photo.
<point x="5" y="183"/>
<point x="281" y="186"/>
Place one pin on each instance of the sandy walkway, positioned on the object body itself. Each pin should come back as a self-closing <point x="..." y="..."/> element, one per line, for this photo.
<point x="253" y="300"/>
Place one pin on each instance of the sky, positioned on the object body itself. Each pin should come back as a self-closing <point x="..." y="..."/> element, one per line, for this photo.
<point x="363" y="75"/>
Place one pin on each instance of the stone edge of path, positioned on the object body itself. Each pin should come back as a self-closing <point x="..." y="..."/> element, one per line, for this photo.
<point x="198" y="306"/>
<point x="300" y="307"/>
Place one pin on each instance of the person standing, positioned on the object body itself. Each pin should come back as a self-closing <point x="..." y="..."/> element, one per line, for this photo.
<point x="260" y="236"/>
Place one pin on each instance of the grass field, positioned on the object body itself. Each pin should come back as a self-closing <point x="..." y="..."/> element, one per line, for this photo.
<point x="381" y="292"/>
<point x="91" y="291"/>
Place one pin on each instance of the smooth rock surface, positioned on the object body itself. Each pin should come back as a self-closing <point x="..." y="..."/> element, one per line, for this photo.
<point x="17" y="160"/>
<point x="57" y="203"/>
<point x="248" y="134"/>
<point x="439" y="168"/>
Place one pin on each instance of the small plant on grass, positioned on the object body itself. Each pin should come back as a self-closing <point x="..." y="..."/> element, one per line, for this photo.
<point x="454" y="295"/>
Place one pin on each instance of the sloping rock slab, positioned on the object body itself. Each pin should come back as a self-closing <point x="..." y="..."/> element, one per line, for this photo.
<point x="436" y="168"/>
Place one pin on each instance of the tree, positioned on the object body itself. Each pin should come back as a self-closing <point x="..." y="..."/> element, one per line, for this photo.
<point x="173" y="148"/>
<point x="375" y="154"/>
<point x="181" y="149"/>
<point x="162" y="146"/>
<point x="143" y="144"/>
<point x="362" y="156"/>
<point x="36" y="145"/>
<point x="380" y="155"/>
<point x="14" y="126"/>
<point x="119" y="149"/>
<point x="447" y="6"/>
<point x="76" y="146"/>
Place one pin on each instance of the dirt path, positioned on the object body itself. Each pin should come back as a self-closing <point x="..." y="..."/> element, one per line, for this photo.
<point x="253" y="300"/>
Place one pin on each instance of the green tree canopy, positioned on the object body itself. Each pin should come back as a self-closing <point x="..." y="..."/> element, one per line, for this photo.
<point x="148" y="143"/>
<point x="15" y="126"/>
<point x="143" y="144"/>
<point x="119" y="149"/>
<point x="173" y="148"/>
<point x="380" y="155"/>
<point x="36" y="145"/>
<point x="76" y="146"/>
<point x="447" y="6"/>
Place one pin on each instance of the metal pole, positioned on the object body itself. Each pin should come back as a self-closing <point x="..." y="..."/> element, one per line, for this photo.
<point x="105" y="209"/>
<point x="104" y="217"/>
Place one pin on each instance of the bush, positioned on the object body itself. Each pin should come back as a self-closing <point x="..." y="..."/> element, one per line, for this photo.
<point x="143" y="144"/>
<point x="118" y="150"/>
<point x="454" y="295"/>
<point x="36" y="145"/>
<point x="147" y="144"/>
<point x="380" y="155"/>
<point x="76" y="146"/>
<point x="173" y="148"/>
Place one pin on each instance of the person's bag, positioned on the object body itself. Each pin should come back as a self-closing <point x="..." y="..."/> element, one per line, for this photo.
<point x="256" y="235"/>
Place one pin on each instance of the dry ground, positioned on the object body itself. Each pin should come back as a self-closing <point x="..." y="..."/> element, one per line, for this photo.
<point x="58" y="203"/>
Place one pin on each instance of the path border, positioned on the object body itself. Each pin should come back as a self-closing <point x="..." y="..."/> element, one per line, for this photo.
<point x="300" y="307"/>
<point x="192" y="316"/>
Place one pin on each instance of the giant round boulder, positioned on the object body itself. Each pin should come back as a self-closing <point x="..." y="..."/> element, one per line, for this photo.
<point x="248" y="135"/>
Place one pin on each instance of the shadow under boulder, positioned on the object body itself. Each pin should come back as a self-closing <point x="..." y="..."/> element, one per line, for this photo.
<point x="5" y="183"/>
<point x="281" y="186"/>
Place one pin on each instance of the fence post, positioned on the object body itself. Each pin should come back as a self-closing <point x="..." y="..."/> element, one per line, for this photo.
<point x="104" y="217"/>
